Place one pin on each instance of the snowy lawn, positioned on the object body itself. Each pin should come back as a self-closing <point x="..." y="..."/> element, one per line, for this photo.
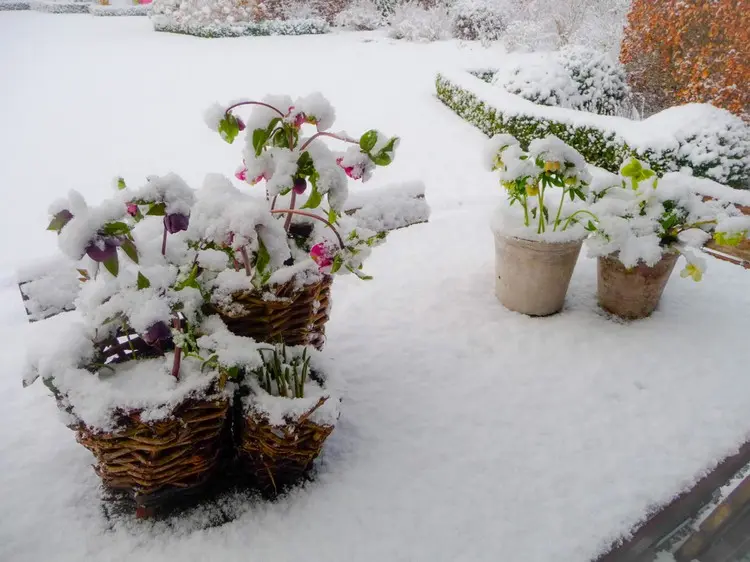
<point x="468" y="432"/>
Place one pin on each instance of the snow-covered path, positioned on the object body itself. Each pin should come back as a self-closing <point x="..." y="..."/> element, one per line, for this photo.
<point x="468" y="432"/>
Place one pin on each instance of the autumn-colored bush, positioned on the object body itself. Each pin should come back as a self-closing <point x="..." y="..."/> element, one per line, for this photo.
<point x="681" y="51"/>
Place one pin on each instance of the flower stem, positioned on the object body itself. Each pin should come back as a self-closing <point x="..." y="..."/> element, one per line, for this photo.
<point x="525" y="203"/>
<point x="559" y="210"/>
<point x="231" y="107"/>
<point x="164" y="242"/>
<point x="312" y="216"/>
<point x="324" y="134"/>
<point x="243" y="252"/>
<point x="567" y="222"/>
<point x="288" y="221"/>
<point x="177" y="353"/>
<point x="540" y="230"/>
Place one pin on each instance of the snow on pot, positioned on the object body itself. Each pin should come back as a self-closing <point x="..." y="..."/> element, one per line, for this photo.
<point x="126" y="375"/>
<point x="644" y="224"/>
<point x="296" y="235"/>
<point x="536" y="248"/>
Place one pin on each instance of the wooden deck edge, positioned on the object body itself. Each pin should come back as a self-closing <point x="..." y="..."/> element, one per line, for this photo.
<point x="646" y="537"/>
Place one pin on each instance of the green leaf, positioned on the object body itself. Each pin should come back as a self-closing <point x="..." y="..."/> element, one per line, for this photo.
<point x="143" y="282"/>
<point x="84" y="273"/>
<point x="382" y="159"/>
<point x="229" y="128"/>
<point x="113" y="265"/>
<point x="260" y="136"/>
<point x="333" y="216"/>
<point x="58" y="222"/>
<point x="314" y="200"/>
<point x="130" y="250"/>
<point x="121" y="183"/>
<point x="157" y="210"/>
<point x="368" y="140"/>
<point x="115" y="229"/>
<point x="338" y="261"/>
<point x="305" y="165"/>
<point x="263" y="258"/>
<point x="359" y="274"/>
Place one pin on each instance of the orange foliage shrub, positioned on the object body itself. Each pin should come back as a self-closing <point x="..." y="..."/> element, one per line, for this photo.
<point x="680" y="51"/>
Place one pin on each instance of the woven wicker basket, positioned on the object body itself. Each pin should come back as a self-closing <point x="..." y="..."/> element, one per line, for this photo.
<point x="154" y="462"/>
<point x="294" y="317"/>
<point x="275" y="457"/>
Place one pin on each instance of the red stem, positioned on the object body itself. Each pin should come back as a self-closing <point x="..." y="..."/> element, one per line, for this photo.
<point x="177" y="353"/>
<point x="288" y="221"/>
<point x="324" y="134"/>
<point x="231" y="107"/>
<point x="243" y="252"/>
<point x="164" y="242"/>
<point x="312" y="216"/>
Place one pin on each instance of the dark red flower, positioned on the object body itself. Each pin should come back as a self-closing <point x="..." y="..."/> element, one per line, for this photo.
<point x="176" y="222"/>
<point x="156" y="333"/>
<point x="103" y="249"/>
<point x="300" y="185"/>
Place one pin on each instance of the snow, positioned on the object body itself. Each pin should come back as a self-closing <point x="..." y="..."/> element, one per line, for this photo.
<point x="467" y="432"/>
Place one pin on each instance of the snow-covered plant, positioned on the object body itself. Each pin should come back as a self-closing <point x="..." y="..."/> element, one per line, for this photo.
<point x="295" y="169"/>
<point x="138" y="293"/>
<point x="483" y="20"/>
<point x="413" y="22"/>
<point x="540" y="79"/>
<point x="361" y="15"/>
<point x="643" y="217"/>
<point x="541" y="179"/>
<point x="601" y="82"/>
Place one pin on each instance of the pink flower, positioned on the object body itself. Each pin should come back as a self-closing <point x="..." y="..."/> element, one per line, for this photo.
<point x="258" y="179"/>
<point x="354" y="172"/>
<point x="299" y="119"/>
<point x="241" y="174"/>
<point x="132" y="209"/>
<point x="240" y="122"/>
<point x="322" y="255"/>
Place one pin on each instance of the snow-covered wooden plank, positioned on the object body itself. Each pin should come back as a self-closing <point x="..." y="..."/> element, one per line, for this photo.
<point x="48" y="288"/>
<point x="390" y="208"/>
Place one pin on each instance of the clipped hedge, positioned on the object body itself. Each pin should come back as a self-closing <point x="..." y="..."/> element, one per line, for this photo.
<point x="135" y="10"/>
<point x="722" y="154"/>
<point x="601" y="149"/>
<point x="59" y="7"/>
<point x="13" y="5"/>
<point x="314" y="26"/>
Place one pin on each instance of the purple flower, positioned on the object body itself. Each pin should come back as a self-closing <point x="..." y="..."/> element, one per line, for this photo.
<point x="132" y="209"/>
<point x="176" y="222"/>
<point x="240" y="124"/>
<point x="103" y="249"/>
<point x="156" y="333"/>
<point x="300" y="185"/>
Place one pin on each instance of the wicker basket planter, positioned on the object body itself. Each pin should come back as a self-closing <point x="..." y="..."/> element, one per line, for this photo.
<point x="276" y="456"/>
<point x="293" y="316"/>
<point x="156" y="462"/>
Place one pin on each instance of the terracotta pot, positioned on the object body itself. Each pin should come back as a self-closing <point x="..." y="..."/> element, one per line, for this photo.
<point x="632" y="293"/>
<point x="533" y="277"/>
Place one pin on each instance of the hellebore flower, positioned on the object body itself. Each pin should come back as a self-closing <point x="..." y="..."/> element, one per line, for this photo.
<point x="176" y="222"/>
<point x="692" y="270"/>
<point x="300" y="185"/>
<point x="241" y="174"/>
<point x="156" y="333"/>
<point x="552" y="166"/>
<point x="354" y="172"/>
<point x="322" y="255"/>
<point x="103" y="249"/>
<point x="240" y="124"/>
<point x="132" y="209"/>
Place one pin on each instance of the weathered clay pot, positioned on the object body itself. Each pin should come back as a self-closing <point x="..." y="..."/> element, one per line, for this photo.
<point x="632" y="293"/>
<point x="533" y="277"/>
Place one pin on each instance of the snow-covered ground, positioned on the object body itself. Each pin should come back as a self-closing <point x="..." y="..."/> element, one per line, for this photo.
<point x="468" y="432"/>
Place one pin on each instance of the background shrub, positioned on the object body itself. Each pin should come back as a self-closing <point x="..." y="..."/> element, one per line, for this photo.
<point x="600" y="81"/>
<point x="483" y="20"/>
<point x="361" y="15"/>
<point x="698" y="51"/>
<point x="413" y="22"/>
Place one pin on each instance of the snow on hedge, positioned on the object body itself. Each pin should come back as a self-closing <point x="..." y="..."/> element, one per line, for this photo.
<point x="712" y="142"/>
<point x="124" y="10"/>
<point x="13" y="5"/>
